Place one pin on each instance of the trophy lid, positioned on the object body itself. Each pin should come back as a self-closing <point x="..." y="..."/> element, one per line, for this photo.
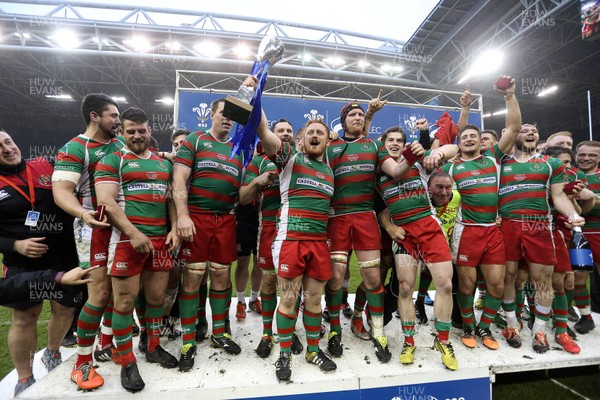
<point x="271" y="48"/>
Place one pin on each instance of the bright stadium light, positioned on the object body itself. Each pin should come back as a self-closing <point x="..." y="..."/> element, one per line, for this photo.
<point x="65" y="38"/>
<point x="334" y="61"/>
<point x="59" y="96"/>
<point x="168" y="101"/>
<point x="138" y="43"/>
<point x="119" y="99"/>
<point x="487" y="62"/>
<point x="242" y="51"/>
<point x="208" y="48"/>
<point x="548" y="90"/>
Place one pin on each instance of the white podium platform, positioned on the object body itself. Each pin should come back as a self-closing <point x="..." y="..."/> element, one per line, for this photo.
<point x="217" y="375"/>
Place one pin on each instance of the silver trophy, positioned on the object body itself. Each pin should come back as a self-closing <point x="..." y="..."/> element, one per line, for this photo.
<point x="237" y="107"/>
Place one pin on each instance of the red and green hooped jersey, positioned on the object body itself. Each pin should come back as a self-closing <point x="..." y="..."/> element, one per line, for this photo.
<point x="270" y="198"/>
<point x="143" y="186"/>
<point x="525" y="186"/>
<point x="215" y="178"/>
<point x="306" y="187"/>
<point x="81" y="155"/>
<point x="407" y="199"/>
<point x="477" y="181"/>
<point x="354" y="164"/>
<point x="592" y="219"/>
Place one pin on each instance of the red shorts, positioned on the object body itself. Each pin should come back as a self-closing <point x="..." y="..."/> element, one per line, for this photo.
<point x="215" y="239"/>
<point x="563" y="262"/>
<point x="529" y="239"/>
<point x="128" y="262"/>
<point x="266" y="234"/>
<point x="474" y="245"/>
<point x="425" y="240"/>
<point x="99" y="246"/>
<point x="358" y="231"/>
<point x="594" y="240"/>
<point x="293" y="258"/>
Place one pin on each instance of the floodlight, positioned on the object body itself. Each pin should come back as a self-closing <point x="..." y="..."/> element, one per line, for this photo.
<point x="208" y="48"/>
<point x="548" y="90"/>
<point x="65" y="38"/>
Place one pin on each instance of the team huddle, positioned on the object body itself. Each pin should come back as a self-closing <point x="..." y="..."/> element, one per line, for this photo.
<point x="485" y="209"/>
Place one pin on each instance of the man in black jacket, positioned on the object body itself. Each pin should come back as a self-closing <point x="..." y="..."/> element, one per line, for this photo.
<point x="34" y="235"/>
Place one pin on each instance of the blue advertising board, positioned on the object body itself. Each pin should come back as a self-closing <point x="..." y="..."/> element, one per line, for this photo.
<point x="193" y="113"/>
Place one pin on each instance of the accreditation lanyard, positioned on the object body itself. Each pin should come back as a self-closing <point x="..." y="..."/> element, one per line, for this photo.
<point x="32" y="216"/>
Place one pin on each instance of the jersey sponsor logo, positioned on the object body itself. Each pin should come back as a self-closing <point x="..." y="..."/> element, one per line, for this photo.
<point x="353" y="168"/>
<point x="411" y="185"/>
<point x="284" y="267"/>
<point x="219" y="166"/>
<point x="316" y="184"/>
<point x="336" y="149"/>
<point x="99" y="256"/>
<point x="507" y="168"/>
<point x="45" y="180"/>
<point x="133" y="164"/>
<point x="463" y="257"/>
<point x="520" y="186"/>
<point x="152" y="175"/>
<point x="478" y="181"/>
<point x="208" y="145"/>
<point x="460" y="167"/>
<point x="4" y="194"/>
<point x="161" y="187"/>
<point x="99" y="153"/>
<point x="390" y="192"/>
<point x="121" y="266"/>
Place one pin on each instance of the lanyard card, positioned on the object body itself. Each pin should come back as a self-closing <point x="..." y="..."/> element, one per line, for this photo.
<point x="32" y="218"/>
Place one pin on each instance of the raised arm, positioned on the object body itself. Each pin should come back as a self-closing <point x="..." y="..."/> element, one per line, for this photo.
<point x="375" y="105"/>
<point x="513" y="117"/>
<point x="465" y="106"/>
<point x="398" y="170"/>
<point x="439" y="156"/>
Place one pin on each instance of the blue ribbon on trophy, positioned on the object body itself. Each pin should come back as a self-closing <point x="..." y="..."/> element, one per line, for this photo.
<point x="245" y="106"/>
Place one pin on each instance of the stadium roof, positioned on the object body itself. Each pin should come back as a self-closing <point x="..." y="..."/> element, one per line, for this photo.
<point x="54" y="52"/>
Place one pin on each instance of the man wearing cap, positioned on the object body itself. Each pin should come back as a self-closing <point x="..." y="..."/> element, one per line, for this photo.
<point x="353" y="225"/>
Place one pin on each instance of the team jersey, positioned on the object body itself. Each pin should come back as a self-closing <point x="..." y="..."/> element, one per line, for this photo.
<point x="143" y="186"/>
<point x="215" y="178"/>
<point x="306" y="187"/>
<point x="447" y="214"/>
<point x="354" y="164"/>
<point x="76" y="162"/>
<point x="525" y="187"/>
<point x="477" y="181"/>
<point x="270" y="198"/>
<point x="407" y="199"/>
<point x="592" y="219"/>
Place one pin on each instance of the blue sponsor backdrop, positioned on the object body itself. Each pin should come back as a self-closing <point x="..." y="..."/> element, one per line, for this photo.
<point x="194" y="113"/>
<point x="464" y="389"/>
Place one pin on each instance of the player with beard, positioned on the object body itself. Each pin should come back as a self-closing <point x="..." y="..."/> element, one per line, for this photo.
<point x="261" y="182"/>
<point x="476" y="240"/>
<point x="73" y="190"/>
<point x="207" y="226"/>
<point x="588" y="156"/>
<point x="526" y="180"/>
<point x="134" y="184"/>
<point x="353" y="225"/>
<point x="409" y="207"/>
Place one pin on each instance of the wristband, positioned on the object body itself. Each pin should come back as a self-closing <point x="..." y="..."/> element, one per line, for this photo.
<point x="410" y="157"/>
<point x="58" y="277"/>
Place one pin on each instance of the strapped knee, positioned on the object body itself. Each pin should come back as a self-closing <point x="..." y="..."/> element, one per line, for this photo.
<point x="219" y="267"/>
<point x="197" y="268"/>
<point x="339" y="258"/>
<point x="369" y="264"/>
